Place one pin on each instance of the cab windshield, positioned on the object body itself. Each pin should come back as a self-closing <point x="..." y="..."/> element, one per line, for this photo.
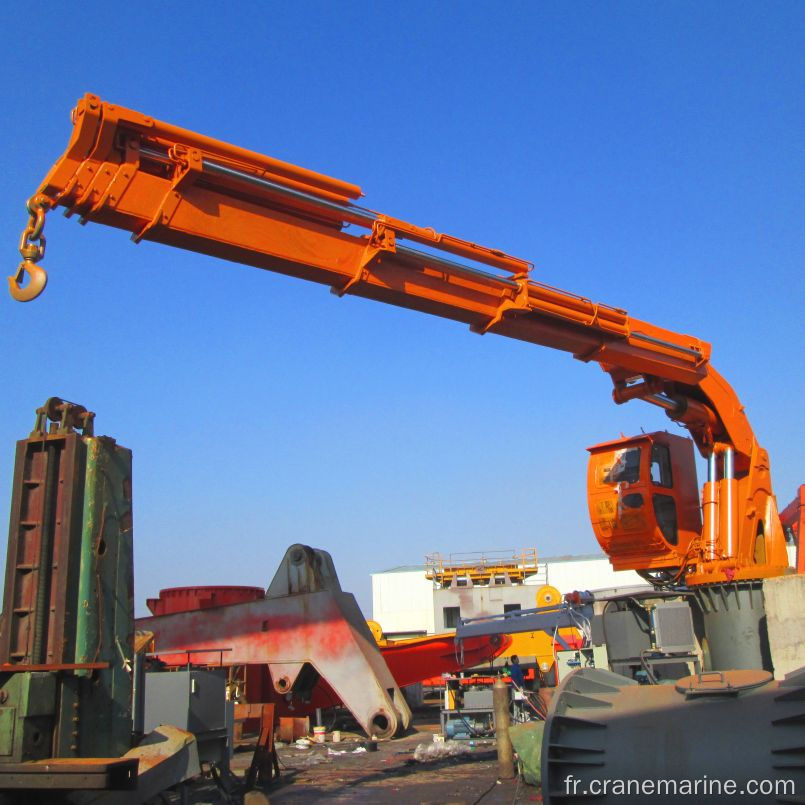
<point x="626" y="467"/>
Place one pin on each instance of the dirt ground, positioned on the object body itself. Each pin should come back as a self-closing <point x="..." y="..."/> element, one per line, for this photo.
<point x="392" y="775"/>
<point x="336" y="772"/>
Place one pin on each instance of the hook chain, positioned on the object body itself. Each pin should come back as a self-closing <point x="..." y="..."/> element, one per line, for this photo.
<point x="32" y="249"/>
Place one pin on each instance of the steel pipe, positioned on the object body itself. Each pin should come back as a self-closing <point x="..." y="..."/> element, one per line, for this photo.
<point x="660" y="343"/>
<point x="710" y="508"/>
<point x="453" y="266"/>
<point x="351" y="212"/>
<point x="500" y="701"/>
<point x="729" y="499"/>
<point x="664" y="402"/>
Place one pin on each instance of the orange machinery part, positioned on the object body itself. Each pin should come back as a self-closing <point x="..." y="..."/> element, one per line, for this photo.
<point x="411" y="661"/>
<point x="159" y="182"/>
<point x="793" y="517"/>
<point x="626" y="503"/>
<point x="171" y="185"/>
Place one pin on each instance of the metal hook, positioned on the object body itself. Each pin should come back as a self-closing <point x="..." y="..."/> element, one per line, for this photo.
<point x="37" y="280"/>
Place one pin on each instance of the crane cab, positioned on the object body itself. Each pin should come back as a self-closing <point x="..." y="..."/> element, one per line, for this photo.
<point x="643" y="497"/>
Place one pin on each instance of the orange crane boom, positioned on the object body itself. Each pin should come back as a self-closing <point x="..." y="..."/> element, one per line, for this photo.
<point x="173" y="186"/>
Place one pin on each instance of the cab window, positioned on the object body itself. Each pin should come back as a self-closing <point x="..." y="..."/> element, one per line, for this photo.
<point x="661" y="466"/>
<point x="665" y="512"/>
<point x="626" y="468"/>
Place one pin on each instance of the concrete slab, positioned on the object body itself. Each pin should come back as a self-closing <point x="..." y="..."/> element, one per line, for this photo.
<point x="784" y="599"/>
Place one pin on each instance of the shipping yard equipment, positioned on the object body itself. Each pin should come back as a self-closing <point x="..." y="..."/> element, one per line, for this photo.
<point x="467" y="711"/>
<point x="67" y="628"/>
<point x="75" y="696"/>
<point x="646" y="634"/>
<point x="419" y="658"/>
<point x="467" y="569"/>
<point x="575" y="612"/>
<point x="194" y="700"/>
<point x="612" y="740"/>
<point x="69" y="592"/>
<point x="409" y="661"/>
<point x="306" y="643"/>
<point x="173" y="186"/>
<point x="467" y="707"/>
<point x="468" y="585"/>
<point x="562" y="625"/>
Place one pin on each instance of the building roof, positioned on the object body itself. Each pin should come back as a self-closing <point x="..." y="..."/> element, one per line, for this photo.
<point x="584" y="557"/>
<point x="401" y="569"/>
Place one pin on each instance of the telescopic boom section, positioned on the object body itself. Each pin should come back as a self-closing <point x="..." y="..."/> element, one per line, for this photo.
<point x="173" y="186"/>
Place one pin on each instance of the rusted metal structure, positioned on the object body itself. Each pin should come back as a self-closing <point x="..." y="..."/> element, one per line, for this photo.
<point x="67" y="653"/>
<point x="309" y="635"/>
<point x="183" y="599"/>
<point x="68" y="616"/>
<point x="410" y="661"/>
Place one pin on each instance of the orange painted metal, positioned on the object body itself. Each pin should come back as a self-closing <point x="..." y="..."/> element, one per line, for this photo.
<point x="411" y="661"/>
<point x="627" y="503"/>
<point x="793" y="519"/>
<point x="173" y="186"/>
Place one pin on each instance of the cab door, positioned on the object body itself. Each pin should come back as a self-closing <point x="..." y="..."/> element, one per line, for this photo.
<point x="643" y="499"/>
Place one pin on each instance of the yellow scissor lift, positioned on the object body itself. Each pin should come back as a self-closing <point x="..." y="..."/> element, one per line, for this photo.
<point x="515" y="566"/>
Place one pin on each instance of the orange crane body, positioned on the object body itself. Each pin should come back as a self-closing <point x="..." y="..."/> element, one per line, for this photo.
<point x="173" y="186"/>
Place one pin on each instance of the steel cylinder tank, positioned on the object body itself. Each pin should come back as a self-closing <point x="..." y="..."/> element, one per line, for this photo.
<point x="732" y="736"/>
<point x="734" y="618"/>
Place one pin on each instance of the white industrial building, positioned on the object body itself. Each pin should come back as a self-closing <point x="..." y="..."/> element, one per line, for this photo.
<point x="406" y="603"/>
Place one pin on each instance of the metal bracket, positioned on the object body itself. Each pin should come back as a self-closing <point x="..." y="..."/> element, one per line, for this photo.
<point x="517" y="301"/>
<point x="284" y="675"/>
<point x="121" y="177"/>
<point x="189" y="166"/>
<point x="586" y="357"/>
<point x="69" y="416"/>
<point x="382" y="239"/>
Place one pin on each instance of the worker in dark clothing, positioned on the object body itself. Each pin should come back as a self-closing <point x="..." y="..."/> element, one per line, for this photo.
<point x="516" y="672"/>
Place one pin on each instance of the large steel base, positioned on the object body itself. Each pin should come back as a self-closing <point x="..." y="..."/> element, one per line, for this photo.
<point x="734" y="626"/>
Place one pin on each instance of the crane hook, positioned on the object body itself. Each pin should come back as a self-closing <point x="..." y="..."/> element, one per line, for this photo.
<point x="37" y="280"/>
<point x="32" y="249"/>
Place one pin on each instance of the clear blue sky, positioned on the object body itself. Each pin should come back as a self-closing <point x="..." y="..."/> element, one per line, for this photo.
<point x="648" y="155"/>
